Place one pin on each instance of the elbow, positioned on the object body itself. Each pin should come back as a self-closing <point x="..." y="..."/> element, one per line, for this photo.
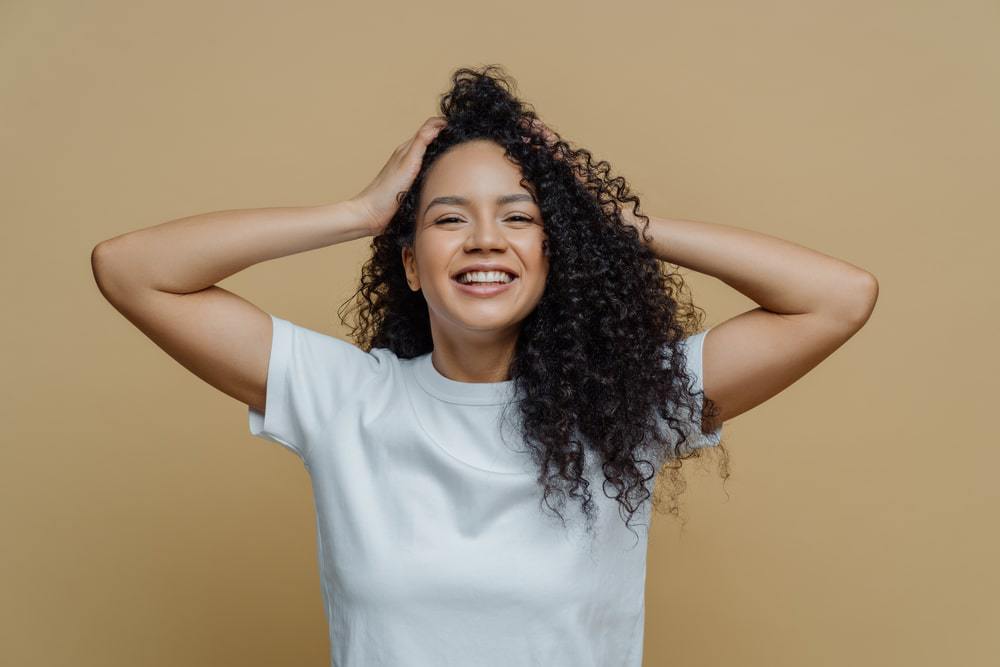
<point x="99" y="261"/>
<point x="864" y="295"/>
<point x="104" y="265"/>
<point x="99" y="267"/>
<point x="852" y="305"/>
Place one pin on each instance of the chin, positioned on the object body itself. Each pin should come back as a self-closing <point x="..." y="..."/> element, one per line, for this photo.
<point x="469" y="321"/>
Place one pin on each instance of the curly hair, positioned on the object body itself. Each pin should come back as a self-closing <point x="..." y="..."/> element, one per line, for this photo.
<point x="598" y="366"/>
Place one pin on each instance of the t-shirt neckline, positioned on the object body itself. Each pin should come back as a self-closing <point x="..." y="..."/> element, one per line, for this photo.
<point x="463" y="393"/>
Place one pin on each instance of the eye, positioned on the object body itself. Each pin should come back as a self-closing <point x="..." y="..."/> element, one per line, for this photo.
<point x="518" y="218"/>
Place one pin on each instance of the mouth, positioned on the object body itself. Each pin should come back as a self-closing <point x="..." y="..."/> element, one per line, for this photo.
<point x="484" y="289"/>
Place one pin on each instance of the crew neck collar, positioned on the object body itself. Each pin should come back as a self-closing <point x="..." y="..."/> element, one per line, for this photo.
<point x="453" y="391"/>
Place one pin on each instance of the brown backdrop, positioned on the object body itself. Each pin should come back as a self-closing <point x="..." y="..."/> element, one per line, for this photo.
<point x="144" y="525"/>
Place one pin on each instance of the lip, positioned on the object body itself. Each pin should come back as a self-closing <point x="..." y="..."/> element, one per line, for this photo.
<point x="484" y="290"/>
<point x="485" y="266"/>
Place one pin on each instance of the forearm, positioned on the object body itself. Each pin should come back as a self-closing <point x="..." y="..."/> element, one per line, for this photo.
<point x="192" y="253"/>
<point x="779" y="275"/>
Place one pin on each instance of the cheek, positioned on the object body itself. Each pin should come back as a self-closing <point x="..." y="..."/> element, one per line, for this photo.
<point x="431" y="260"/>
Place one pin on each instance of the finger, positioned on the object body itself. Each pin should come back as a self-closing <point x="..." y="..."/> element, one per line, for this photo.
<point x="426" y="134"/>
<point x="417" y="145"/>
<point x="548" y="134"/>
<point x="433" y="123"/>
<point x="403" y="147"/>
<point x="537" y="127"/>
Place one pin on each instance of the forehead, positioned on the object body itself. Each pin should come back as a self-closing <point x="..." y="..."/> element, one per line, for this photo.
<point x="476" y="170"/>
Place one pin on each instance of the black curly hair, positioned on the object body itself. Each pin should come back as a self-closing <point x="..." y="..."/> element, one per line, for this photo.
<point x="598" y="365"/>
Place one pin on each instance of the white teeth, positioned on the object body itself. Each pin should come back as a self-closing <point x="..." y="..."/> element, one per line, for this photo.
<point x="485" y="277"/>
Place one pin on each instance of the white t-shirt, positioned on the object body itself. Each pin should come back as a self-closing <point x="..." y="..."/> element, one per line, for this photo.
<point x="433" y="548"/>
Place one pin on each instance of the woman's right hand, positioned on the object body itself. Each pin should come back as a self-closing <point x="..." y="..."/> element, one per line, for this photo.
<point x="377" y="202"/>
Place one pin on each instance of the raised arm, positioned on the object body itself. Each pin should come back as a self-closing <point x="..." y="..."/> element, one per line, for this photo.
<point x="809" y="305"/>
<point x="162" y="278"/>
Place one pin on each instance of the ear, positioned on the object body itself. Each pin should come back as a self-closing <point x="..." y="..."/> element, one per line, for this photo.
<point x="410" y="268"/>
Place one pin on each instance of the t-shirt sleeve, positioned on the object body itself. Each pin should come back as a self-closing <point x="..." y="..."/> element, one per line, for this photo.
<point x="310" y="375"/>
<point x="694" y="346"/>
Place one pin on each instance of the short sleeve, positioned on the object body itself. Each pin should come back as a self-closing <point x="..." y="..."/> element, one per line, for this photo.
<point x="310" y="377"/>
<point x="694" y="346"/>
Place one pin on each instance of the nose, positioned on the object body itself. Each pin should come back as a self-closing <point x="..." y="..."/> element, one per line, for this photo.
<point x="485" y="235"/>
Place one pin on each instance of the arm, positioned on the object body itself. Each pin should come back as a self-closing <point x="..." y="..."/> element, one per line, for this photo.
<point x="162" y="279"/>
<point x="809" y="305"/>
<point x="193" y="253"/>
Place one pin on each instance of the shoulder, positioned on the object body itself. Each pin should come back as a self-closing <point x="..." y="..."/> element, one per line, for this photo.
<point x="317" y="354"/>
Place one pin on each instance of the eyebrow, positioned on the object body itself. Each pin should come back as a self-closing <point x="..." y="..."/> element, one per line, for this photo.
<point x="462" y="201"/>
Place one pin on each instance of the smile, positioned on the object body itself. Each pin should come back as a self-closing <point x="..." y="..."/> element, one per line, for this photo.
<point x="484" y="289"/>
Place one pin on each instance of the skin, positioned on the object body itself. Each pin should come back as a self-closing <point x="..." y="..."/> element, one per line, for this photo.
<point x="164" y="279"/>
<point x="474" y="336"/>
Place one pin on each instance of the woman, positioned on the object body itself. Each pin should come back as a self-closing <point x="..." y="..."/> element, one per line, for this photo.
<point x="517" y="341"/>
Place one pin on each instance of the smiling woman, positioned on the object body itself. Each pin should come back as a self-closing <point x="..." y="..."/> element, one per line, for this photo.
<point x="587" y="318"/>
<point x="521" y="346"/>
<point x="517" y="344"/>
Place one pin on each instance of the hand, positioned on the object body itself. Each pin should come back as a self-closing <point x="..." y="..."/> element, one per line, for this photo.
<point x="377" y="202"/>
<point x="536" y="126"/>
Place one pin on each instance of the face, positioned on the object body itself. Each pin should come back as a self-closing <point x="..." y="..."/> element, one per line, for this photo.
<point x="472" y="209"/>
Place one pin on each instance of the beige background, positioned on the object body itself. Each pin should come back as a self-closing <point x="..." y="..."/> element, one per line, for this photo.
<point x="143" y="525"/>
